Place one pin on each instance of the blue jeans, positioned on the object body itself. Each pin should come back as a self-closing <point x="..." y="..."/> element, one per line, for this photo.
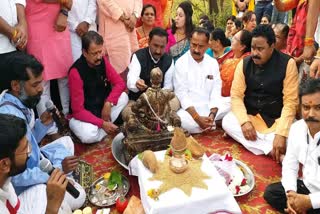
<point x="261" y="8"/>
<point x="279" y="17"/>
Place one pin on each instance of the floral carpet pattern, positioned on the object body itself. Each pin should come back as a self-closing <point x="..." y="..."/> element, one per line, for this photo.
<point x="266" y="170"/>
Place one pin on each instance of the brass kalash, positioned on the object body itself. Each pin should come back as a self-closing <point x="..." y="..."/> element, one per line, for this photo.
<point x="150" y="125"/>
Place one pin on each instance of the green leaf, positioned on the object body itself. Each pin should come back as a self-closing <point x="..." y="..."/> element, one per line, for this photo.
<point x="140" y="156"/>
<point x="114" y="180"/>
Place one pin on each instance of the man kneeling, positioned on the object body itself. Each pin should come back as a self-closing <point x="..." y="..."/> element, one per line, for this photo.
<point x="96" y="92"/>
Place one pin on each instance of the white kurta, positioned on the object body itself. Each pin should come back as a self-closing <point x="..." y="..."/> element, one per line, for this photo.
<point x="198" y="85"/>
<point x="7" y="193"/>
<point x="135" y="70"/>
<point x="82" y="10"/>
<point x="8" y="12"/>
<point x="299" y="151"/>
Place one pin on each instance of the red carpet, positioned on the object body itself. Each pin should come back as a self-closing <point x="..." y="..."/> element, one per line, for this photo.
<point x="266" y="171"/>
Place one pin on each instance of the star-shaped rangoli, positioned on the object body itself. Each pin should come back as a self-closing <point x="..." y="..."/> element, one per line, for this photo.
<point x="192" y="177"/>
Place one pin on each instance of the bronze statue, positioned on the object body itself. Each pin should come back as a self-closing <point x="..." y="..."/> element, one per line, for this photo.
<point x="148" y="126"/>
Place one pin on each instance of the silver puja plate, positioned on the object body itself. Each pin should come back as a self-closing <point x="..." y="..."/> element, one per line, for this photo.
<point x="102" y="197"/>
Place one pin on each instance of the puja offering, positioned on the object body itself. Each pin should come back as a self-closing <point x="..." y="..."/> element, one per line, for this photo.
<point x="107" y="189"/>
<point x="238" y="176"/>
<point x="178" y="163"/>
<point x="194" y="147"/>
<point x="149" y="160"/>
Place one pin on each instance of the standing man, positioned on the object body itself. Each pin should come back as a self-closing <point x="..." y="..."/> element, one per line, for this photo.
<point x="261" y="8"/>
<point x="49" y="42"/>
<point x="96" y="92"/>
<point x="13" y="28"/>
<point x="264" y="97"/>
<point x="23" y="77"/>
<point x="81" y="19"/>
<point x="294" y="194"/>
<point x="197" y="85"/>
<point x="117" y="20"/>
<point x="14" y="154"/>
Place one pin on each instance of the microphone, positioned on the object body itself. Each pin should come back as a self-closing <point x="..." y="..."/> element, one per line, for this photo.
<point x="60" y="122"/>
<point x="46" y="166"/>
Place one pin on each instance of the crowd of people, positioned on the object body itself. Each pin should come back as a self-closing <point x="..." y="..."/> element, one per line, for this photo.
<point x="253" y="79"/>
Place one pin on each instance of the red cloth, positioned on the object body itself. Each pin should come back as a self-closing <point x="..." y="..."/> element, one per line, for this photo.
<point x="77" y="94"/>
<point x="13" y="210"/>
<point x="297" y="32"/>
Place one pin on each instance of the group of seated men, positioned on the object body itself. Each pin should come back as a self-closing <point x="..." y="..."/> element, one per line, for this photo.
<point x="264" y="100"/>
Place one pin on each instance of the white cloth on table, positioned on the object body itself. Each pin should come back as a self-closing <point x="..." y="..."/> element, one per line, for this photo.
<point x="89" y="133"/>
<point x="263" y="144"/>
<point x="198" y="85"/>
<point x="300" y="151"/>
<point x="216" y="197"/>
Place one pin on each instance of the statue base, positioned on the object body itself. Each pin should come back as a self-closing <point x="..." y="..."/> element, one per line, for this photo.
<point x="135" y="144"/>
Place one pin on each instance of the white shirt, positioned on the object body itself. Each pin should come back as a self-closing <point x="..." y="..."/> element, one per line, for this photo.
<point x="301" y="152"/>
<point x="197" y="84"/>
<point x="7" y="193"/>
<point x="8" y="12"/>
<point x="134" y="75"/>
<point x="82" y="10"/>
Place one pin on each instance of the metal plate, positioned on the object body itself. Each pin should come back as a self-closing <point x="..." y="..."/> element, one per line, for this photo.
<point x="248" y="174"/>
<point x="118" y="150"/>
<point x="111" y="197"/>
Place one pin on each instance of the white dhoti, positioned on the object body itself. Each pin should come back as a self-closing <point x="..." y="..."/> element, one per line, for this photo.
<point x="34" y="200"/>
<point x="188" y="123"/>
<point x="89" y="133"/>
<point x="263" y="144"/>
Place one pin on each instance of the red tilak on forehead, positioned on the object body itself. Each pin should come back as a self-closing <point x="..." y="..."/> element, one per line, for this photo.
<point x="310" y="102"/>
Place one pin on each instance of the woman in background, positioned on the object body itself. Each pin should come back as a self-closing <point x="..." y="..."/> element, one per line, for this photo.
<point x="148" y="17"/>
<point x="240" y="48"/>
<point x="230" y="23"/>
<point x="249" y="21"/>
<point x="219" y="45"/>
<point x="180" y="32"/>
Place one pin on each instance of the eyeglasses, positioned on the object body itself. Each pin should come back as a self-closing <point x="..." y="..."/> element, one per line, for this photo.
<point x="29" y="149"/>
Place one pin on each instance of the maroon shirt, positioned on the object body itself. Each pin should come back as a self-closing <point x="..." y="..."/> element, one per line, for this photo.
<point x="77" y="94"/>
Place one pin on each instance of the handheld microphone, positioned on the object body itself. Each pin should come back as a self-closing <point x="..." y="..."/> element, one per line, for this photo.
<point x="60" y="122"/>
<point x="46" y="166"/>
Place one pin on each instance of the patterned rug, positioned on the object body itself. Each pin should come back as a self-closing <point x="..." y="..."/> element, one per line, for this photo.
<point x="266" y="170"/>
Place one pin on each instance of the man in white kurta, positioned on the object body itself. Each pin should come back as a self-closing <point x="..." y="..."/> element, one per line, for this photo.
<point x="197" y="85"/>
<point x="296" y="193"/>
<point x="81" y="19"/>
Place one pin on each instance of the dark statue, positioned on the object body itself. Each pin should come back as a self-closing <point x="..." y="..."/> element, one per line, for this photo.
<point x="150" y="125"/>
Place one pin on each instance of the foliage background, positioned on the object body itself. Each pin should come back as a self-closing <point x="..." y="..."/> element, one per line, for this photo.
<point x="201" y="7"/>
